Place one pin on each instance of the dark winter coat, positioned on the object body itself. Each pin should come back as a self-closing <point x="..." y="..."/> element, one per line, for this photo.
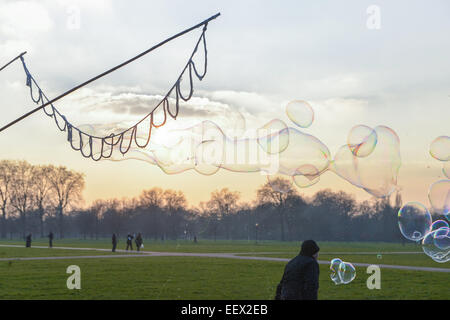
<point x="300" y="280"/>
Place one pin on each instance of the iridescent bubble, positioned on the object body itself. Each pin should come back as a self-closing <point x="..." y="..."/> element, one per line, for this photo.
<point x="303" y="149"/>
<point x="300" y="112"/>
<point x="439" y="196"/>
<point x="414" y="221"/>
<point x="376" y="173"/>
<point x="439" y="224"/>
<point x="446" y="169"/>
<point x="441" y="238"/>
<point x="436" y="245"/>
<point x="273" y="137"/>
<point x="334" y="267"/>
<point x="362" y="140"/>
<point x="347" y="272"/>
<point x="306" y="176"/>
<point x="440" y="148"/>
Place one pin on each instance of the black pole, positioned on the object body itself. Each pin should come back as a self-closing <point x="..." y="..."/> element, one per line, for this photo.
<point x="12" y="60"/>
<point x="107" y="72"/>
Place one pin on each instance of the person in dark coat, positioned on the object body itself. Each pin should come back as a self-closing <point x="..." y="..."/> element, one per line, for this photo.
<point x="138" y="241"/>
<point x="50" y="239"/>
<point x="114" y="242"/>
<point x="129" y="242"/>
<point x="28" y="241"/>
<point x="300" y="280"/>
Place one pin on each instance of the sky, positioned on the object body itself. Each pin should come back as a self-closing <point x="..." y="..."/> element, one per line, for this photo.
<point x="365" y="62"/>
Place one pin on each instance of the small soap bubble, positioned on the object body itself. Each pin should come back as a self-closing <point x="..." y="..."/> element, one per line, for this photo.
<point x="300" y="112"/>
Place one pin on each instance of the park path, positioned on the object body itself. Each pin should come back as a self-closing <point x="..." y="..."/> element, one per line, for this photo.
<point x="206" y="255"/>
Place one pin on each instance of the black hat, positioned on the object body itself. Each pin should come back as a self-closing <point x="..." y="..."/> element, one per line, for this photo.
<point x="309" y="248"/>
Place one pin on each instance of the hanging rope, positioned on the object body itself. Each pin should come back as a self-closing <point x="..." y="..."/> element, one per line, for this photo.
<point x="84" y="142"/>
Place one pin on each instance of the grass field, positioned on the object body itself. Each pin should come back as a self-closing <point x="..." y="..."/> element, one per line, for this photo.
<point x="205" y="277"/>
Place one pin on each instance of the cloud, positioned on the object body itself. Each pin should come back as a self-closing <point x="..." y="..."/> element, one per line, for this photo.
<point x="24" y="19"/>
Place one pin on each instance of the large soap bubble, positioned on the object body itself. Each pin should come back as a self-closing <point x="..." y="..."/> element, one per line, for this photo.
<point x="446" y="169"/>
<point x="376" y="173"/>
<point x="440" y="148"/>
<point x="300" y="112"/>
<point x="414" y="221"/>
<point x="439" y="196"/>
<point x="273" y="137"/>
<point x="362" y="140"/>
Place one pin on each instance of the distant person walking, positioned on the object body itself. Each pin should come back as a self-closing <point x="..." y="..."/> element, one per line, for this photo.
<point x="114" y="242"/>
<point x="139" y="241"/>
<point x="129" y="242"/>
<point x="28" y="241"/>
<point x="300" y="280"/>
<point x="50" y="239"/>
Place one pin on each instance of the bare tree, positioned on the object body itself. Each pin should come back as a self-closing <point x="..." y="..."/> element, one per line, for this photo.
<point x="41" y="191"/>
<point x="21" y="197"/>
<point x="6" y="176"/>
<point x="225" y="203"/>
<point x="152" y="198"/>
<point x="275" y="193"/>
<point x="67" y="186"/>
<point x="174" y="202"/>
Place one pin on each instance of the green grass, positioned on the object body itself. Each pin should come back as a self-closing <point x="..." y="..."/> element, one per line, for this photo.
<point x="206" y="278"/>
<point x="228" y="246"/>
<point x="6" y="252"/>
<point x="196" y="278"/>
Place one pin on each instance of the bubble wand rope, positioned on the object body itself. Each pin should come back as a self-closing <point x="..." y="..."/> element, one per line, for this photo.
<point x="107" y="72"/>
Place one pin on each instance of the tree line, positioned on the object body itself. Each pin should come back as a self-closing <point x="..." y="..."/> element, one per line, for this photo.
<point x="43" y="198"/>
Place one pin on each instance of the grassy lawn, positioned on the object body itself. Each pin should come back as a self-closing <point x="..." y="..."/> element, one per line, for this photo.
<point x="6" y="252"/>
<point x="196" y="278"/>
<point x="228" y="246"/>
<point x="207" y="278"/>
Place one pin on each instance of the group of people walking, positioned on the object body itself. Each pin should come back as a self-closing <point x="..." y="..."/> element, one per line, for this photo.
<point x="137" y="240"/>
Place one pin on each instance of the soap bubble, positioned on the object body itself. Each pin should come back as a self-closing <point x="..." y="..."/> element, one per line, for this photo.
<point x="441" y="238"/>
<point x="306" y="176"/>
<point x="446" y="169"/>
<point x="376" y="173"/>
<point x="439" y="196"/>
<point x="414" y="221"/>
<point x="300" y="112"/>
<point x="273" y="137"/>
<point x="439" y="224"/>
<point x="347" y="272"/>
<point x="362" y="140"/>
<point x="440" y="148"/>
<point x="334" y="267"/>
<point x="436" y="245"/>
<point x="342" y="272"/>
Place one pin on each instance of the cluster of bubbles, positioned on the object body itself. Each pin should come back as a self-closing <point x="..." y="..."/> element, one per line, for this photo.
<point x="414" y="219"/>
<point x="416" y="224"/>
<point x="369" y="160"/>
<point x="342" y="272"/>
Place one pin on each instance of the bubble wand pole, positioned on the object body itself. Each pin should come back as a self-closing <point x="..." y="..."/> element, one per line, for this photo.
<point x="108" y="71"/>
<point x="12" y="60"/>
